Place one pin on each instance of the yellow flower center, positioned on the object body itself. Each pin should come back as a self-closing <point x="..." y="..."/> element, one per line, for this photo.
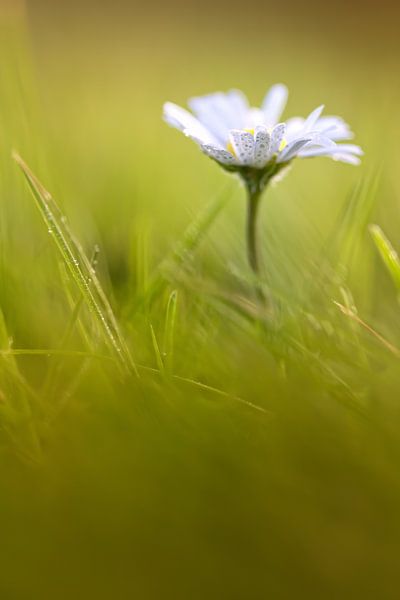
<point x="230" y="148"/>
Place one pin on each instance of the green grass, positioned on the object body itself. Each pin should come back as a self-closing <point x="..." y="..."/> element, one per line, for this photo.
<point x="161" y="436"/>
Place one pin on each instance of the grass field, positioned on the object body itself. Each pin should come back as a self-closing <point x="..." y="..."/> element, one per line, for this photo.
<point x="162" y="435"/>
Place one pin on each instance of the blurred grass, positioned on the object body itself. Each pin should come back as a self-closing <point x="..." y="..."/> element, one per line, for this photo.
<point x="249" y="459"/>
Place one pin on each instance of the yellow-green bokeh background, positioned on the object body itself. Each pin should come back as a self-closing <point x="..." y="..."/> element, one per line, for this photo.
<point x="167" y="493"/>
<point x="90" y="79"/>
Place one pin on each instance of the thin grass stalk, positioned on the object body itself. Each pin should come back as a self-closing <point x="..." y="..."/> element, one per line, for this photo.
<point x="74" y="258"/>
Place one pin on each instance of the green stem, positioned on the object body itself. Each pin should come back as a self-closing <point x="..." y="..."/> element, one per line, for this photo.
<point x="253" y="202"/>
<point x="254" y="192"/>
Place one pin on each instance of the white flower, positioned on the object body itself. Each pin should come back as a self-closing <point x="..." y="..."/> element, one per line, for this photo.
<point x="243" y="138"/>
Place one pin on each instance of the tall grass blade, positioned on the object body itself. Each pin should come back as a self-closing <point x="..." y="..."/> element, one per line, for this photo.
<point x="157" y="352"/>
<point x="78" y="265"/>
<point x="387" y="253"/>
<point x="170" y="319"/>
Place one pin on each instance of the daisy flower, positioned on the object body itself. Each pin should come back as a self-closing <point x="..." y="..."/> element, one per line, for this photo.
<point x="255" y="144"/>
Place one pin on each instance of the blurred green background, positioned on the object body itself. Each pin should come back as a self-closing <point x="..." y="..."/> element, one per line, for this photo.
<point x="158" y="487"/>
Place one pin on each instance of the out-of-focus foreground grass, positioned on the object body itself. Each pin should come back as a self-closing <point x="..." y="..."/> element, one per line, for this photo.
<point x="249" y="459"/>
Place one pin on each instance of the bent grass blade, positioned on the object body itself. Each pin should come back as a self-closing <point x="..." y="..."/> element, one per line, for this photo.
<point x="78" y="265"/>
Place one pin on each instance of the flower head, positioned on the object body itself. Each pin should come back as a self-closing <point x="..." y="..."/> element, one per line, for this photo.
<point x="252" y="140"/>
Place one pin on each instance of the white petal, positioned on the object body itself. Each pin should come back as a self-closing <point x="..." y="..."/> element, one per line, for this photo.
<point x="352" y="148"/>
<point x="274" y="103"/>
<point x="255" y="117"/>
<point x="239" y="106"/>
<point x="261" y="146"/>
<point x="317" y="151"/>
<point x="181" y="119"/>
<point x="292" y="149"/>
<point x="204" y="109"/>
<point x="277" y="136"/>
<point x="331" y="127"/>
<point x="319" y="139"/>
<point x="347" y="158"/>
<point x="243" y="145"/>
<point x="294" y="128"/>
<point x="334" y="127"/>
<point x="313" y="140"/>
<point x="328" y="122"/>
<point x="328" y="151"/>
<point x="219" y="154"/>
<point x="313" y="118"/>
<point x="221" y="112"/>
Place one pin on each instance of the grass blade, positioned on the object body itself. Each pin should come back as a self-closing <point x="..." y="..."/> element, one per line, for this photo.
<point x="168" y="346"/>
<point x="387" y="253"/>
<point x="156" y="347"/>
<point x="78" y="265"/>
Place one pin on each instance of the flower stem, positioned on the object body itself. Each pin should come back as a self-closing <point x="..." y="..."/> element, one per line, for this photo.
<point x="253" y="202"/>
<point x="254" y="193"/>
